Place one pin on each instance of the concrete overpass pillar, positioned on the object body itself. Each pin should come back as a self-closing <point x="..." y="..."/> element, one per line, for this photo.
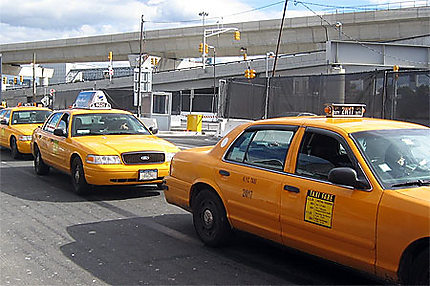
<point x="336" y="84"/>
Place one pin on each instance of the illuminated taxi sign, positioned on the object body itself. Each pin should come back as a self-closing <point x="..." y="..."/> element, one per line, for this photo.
<point x="344" y="110"/>
<point x="92" y="100"/>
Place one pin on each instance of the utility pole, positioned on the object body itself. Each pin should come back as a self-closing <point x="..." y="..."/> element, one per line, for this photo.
<point x="279" y="38"/>
<point x="139" y="100"/>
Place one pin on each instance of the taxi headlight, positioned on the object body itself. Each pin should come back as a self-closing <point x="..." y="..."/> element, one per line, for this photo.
<point x="24" y="138"/>
<point x="103" y="160"/>
<point x="169" y="156"/>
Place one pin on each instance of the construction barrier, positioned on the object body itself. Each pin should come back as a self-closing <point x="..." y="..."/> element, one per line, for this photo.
<point x="194" y="122"/>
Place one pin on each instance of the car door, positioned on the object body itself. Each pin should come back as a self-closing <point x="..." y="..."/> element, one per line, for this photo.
<point x="328" y="220"/>
<point x="5" y="114"/>
<point x="46" y="136"/>
<point x="250" y="177"/>
<point x="61" y="144"/>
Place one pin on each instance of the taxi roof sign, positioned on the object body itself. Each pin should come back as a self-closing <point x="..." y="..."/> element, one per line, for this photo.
<point x="95" y="99"/>
<point x="344" y="110"/>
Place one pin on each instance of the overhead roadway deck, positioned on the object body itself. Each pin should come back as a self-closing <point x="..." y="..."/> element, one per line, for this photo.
<point x="300" y="34"/>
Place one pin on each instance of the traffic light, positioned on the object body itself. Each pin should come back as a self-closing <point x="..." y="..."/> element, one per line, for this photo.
<point x="15" y="80"/>
<point x="250" y="73"/>
<point x="201" y="47"/>
<point x="207" y="49"/>
<point x="21" y="78"/>
<point x="237" y="35"/>
<point x="244" y="56"/>
<point x="154" y="61"/>
<point x="110" y="56"/>
<point x="396" y="68"/>
<point x="4" y="80"/>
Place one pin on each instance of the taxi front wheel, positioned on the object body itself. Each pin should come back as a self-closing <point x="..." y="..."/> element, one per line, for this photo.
<point x="14" y="148"/>
<point x="210" y="220"/>
<point x="80" y="185"/>
<point x="39" y="166"/>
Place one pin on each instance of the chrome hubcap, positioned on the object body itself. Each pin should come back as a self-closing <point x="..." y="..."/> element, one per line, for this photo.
<point x="208" y="218"/>
<point x="77" y="175"/>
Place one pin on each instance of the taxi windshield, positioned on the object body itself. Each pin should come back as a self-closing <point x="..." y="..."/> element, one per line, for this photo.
<point x="107" y="124"/>
<point x="398" y="158"/>
<point x="30" y="116"/>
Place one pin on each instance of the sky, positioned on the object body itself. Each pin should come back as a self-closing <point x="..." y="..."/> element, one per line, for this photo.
<point x="33" y="20"/>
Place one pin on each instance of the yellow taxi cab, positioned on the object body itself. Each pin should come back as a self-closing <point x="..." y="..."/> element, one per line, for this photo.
<point x="346" y="188"/>
<point x="16" y="126"/>
<point x="98" y="145"/>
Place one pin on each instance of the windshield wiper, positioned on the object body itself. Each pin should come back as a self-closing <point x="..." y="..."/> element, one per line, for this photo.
<point x="412" y="183"/>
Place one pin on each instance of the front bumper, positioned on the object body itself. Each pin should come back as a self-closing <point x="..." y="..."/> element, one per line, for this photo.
<point x="122" y="174"/>
<point x="24" y="147"/>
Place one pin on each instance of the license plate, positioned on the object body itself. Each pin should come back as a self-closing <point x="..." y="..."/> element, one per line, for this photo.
<point x="147" y="175"/>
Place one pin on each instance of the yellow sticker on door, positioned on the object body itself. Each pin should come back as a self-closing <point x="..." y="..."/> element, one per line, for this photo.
<point x="319" y="208"/>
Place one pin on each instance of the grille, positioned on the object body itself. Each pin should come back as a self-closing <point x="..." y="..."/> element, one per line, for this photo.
<point x="143" y="158"/>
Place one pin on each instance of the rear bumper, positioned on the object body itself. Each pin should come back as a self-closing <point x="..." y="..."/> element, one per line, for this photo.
<point x="177" y="192"/>
<point x="122" y="174"/>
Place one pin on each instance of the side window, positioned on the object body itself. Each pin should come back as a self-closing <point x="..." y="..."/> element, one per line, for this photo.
<point x="237" y="151"/>
<point x="319" y="154"/>
<point x="64" y="123"/>
<point x="7" y="116"/>
<point x="269" y="149"/>
<point x="263" y="148"/>
<point x="52" y="122"/>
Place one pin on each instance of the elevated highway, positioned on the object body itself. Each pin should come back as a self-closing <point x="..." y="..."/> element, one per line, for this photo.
<point x="300" y="34"/>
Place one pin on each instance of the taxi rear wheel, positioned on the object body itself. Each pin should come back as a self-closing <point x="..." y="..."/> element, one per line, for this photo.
<point x="420" y="269"/>
<point x="39" y="166"/>
<point x="80" y="185"/>
<point x="210" y="220"/>
<point x="14" y="148"/>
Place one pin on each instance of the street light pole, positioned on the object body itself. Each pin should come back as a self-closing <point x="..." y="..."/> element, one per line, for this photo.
<point x="139" y="111"/>
<point x="203" y="14"/>
<point x="34" y="77"/>
<point x="214" y="104"/>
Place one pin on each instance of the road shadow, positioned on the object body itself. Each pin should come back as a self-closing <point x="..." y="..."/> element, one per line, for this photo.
<point x="23" y="183"/>
<point x="6" y="156"/>
<point x="164" y="250"/>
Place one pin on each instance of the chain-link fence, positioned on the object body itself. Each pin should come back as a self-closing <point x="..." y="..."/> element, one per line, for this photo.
<point x="402" y="96"/>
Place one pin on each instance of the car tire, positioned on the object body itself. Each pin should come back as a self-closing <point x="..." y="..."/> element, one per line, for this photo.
<point x="160" y="186"/>
<point x="39" y="166"/>
<point x="210" y="219"/>
<point x="80" y="185"/>
<point x="14" y="148"/>
<point x="420" y="269"/>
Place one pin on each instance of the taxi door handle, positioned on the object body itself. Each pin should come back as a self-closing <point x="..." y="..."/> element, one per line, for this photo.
<point x="224" y="173"/>
<point x="291" y="189"/>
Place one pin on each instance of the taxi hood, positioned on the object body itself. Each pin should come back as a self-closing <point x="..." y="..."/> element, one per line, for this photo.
<point x="419" y="193"/>
<point x="26" y="129"/>
<point x="117" y="144"/>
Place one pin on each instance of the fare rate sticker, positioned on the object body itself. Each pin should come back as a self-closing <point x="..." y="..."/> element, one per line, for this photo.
<point x="319" y="208"/>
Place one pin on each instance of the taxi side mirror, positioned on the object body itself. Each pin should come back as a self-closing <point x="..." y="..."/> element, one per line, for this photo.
<point x="3" y="122"/>
<point x="348" y="177"/>
<point x="153" y="129"/>
<point x="59" y="132"/>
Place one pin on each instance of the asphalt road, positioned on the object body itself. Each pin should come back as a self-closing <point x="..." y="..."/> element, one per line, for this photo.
<point x="130" y="236"/>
